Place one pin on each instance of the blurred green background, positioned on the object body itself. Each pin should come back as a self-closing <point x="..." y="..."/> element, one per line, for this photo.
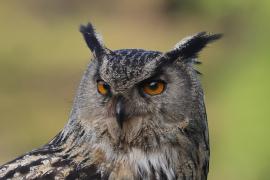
<point x="43" y="56"/>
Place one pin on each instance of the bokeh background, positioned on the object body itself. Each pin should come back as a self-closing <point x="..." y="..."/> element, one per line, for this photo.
<point x="43" y="56"/>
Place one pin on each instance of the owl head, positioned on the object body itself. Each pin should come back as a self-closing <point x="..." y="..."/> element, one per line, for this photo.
<point x="135" y="95"/>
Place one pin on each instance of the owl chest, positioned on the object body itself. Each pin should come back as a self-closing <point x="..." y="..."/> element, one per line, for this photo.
<point x="140" y="165"/>
<point x="139" y="169"/>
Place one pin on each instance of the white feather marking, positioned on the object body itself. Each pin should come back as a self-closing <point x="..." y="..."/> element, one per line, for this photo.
<point x="182" y="42"/>
<point x="99" y="38"/>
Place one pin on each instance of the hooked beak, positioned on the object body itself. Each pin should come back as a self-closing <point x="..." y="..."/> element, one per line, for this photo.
<point x="120" y="111"/>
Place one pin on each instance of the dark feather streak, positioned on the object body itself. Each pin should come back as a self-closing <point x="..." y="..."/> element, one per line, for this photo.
<point x="192" y="46"/>
<point x="91" y="39"/>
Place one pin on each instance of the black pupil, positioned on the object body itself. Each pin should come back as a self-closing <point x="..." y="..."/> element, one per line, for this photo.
<point x="153" y="85"/>
<point x="106" y="86"/>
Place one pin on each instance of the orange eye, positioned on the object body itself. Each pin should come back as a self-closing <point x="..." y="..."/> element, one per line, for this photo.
<point x="103" y="88"/>
<point x="154" y="87"/>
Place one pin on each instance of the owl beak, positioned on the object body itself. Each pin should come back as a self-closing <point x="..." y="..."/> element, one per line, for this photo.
<point x="120" y="111"/>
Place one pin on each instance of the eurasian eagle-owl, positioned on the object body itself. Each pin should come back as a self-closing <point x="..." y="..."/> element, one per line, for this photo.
<point x="138" y="114"/>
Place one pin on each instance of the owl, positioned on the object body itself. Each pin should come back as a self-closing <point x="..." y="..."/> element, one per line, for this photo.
<point x="137" y="114"/>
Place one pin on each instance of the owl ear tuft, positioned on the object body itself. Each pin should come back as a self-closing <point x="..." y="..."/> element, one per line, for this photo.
<point x="93" y="40"/>
<point x="190" y="47"/>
